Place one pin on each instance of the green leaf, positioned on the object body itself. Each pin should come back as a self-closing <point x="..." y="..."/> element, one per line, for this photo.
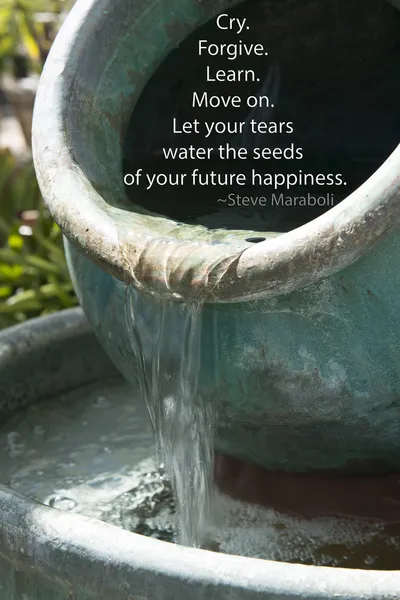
<point x="4" y="228"/>
<point x="34" y="278"/>
<point x="10" y="273"/>
<point x="6" y="7"/>
<point x="27" y="36"/>
<point x="50" y="246"/>
<point x="20" y="304"/>
<point x="62" y="291"/>
<point x="41" y="263"/>
<point x="15" y="241"/>
<point x="9" y="35"/>
<point x="5" y="291"/>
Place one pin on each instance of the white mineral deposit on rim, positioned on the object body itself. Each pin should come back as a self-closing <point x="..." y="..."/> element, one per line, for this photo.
<point x="183" y="424"/>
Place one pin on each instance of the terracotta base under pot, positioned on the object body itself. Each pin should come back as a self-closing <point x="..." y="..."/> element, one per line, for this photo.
<point x="372" y="497"/>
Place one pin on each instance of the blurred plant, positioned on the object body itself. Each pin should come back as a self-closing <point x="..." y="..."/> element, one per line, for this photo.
<point x="34" y="278"/>
<point x="25" y="27"/>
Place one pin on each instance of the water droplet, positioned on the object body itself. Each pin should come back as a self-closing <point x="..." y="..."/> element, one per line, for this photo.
<point x="61" y="503"/>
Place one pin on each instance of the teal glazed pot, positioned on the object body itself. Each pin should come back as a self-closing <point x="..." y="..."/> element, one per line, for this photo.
<point x="300" y="346"/>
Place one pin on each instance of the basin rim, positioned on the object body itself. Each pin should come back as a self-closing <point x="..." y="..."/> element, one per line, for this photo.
<point x="33" y="536"/>
<point x="216" y="273"/>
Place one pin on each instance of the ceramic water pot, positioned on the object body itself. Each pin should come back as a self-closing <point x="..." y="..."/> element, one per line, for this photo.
<point x="300" y="342"/>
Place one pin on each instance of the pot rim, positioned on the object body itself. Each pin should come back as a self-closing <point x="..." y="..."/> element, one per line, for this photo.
<point x="182" y="269"/>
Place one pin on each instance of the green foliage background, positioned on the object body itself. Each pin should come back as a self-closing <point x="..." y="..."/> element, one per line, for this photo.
<point x="20" y="29"/>
<point x="34" y="278"/>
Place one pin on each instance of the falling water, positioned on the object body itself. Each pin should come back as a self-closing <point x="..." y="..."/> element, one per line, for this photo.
<point x="166" y="344"/>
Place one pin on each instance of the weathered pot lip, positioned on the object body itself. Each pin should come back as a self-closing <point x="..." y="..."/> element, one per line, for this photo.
<point x="293" y="260"/>
<point x="33" y="536"/>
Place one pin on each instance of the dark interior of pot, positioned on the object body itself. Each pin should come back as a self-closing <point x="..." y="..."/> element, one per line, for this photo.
<point x="331" y="84"/>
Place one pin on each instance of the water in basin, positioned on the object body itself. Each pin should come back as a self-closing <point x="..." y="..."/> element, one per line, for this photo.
<point x="91" y="451"/>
